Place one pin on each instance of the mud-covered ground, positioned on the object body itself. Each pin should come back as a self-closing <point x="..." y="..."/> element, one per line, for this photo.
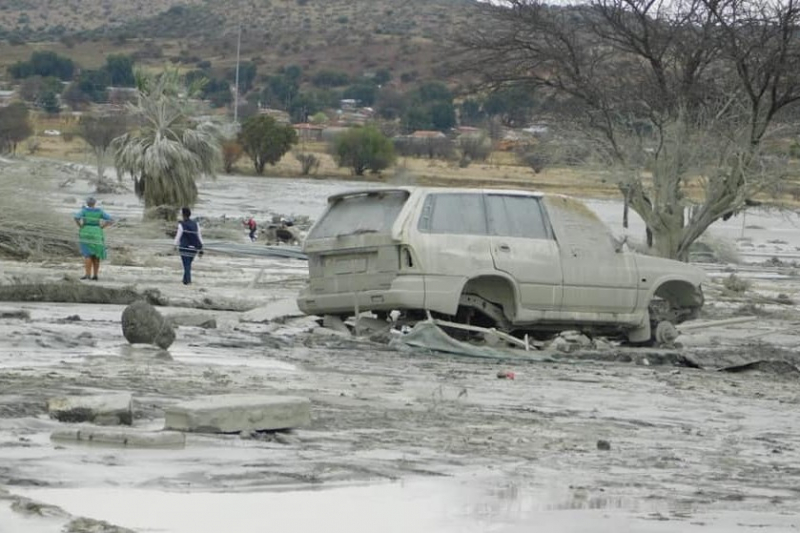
<point x="399" y="440"/>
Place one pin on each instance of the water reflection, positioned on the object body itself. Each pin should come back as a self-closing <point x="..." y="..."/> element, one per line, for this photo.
<point x="438" y="506"/>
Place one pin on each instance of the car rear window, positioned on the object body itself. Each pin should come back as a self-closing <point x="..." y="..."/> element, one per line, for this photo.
<point x="453" y="213"/>
<point x="369" y="212"/>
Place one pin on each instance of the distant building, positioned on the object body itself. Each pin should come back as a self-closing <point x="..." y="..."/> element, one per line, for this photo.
<point x="427" y="134"/>
<point x="308" y="132"/>
<point x="6" y="97"/>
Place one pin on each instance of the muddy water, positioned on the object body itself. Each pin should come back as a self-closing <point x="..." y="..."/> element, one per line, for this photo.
<point x="442" y="506"/>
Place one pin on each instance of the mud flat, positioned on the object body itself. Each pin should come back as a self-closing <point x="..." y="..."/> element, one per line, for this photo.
<point x="603" y="440"/>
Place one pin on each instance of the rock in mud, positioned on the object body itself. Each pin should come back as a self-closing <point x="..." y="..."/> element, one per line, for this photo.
<point x="90" y="525"/>
<point x="603" y="445"/>
<point x="129" y="438"/>
<point x="235" y="413"/>
<point x="104" y="410"/>
<point x="19" y="314"/>
<point x="143" y="324"/>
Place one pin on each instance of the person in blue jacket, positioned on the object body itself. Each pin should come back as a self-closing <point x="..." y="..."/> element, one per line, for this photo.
<point x="189" y="242"/>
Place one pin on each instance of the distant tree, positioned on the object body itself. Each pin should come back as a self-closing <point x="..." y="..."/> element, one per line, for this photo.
<point x="391" y="104"/>
<point x="15" y="126"/>
<point x="382" y="76"/>
<point x="514" y="105"/>
<point x="365" y="93"/>
<point x="48" y="102"/>
<point x="306" y="103"/>
<point x="470" y="112"/>
<point x="362" y="149"/>
<point x="266" y="141"/>
<point x="43" y="64"/>
<point x="247" y="76"/>
<point x="292" y="72"/>
<point x="169" y="150"/>
<point x="417" y="118"/>
<point x="443" y="116"/>
<point x="327" y="79"/>
<point x="232" y="151"/>
<point x="120" y="70"/>
<point x="94" y="84"/>
<point x="74" y="97"/>
<point x="218" y="91"/>
<point x="434" y="91"/>
<point x="31" y="88"/>
<point x="99" y="132"/>
<point x="280" y="91"/>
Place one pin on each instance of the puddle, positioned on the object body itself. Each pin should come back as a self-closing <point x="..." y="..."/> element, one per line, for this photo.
<point x="442" y="506"/>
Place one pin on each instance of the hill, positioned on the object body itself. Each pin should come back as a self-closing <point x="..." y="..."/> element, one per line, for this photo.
<point x="405" y="36"/>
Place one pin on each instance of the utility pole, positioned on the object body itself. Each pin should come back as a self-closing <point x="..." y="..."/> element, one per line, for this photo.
<point x="236" y="93"/>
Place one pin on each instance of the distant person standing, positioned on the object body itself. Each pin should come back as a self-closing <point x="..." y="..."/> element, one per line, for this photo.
<point x="252" y="226"/>
<point x="189" y="242"/>
<point x="91" y="220"/>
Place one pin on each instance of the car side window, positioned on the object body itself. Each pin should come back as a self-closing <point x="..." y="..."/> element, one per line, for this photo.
<point x="453" y="213"/>
<point x="517" y="216"/>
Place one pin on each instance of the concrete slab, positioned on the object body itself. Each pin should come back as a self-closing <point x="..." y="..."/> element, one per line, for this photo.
<point x="273" y="310"/>
<point x="129" y="438"/>
<point x="102" y="409"/>
<point x="193" y="321"/>
<point x="233" y="413"/>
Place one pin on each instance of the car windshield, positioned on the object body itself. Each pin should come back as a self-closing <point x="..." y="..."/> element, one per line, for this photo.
<point x="369" y="212"/>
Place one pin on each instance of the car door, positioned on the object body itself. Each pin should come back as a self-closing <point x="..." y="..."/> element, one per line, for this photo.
<point x="523" y="246"/>
<point x="452" y="243"/>
<point x="597" y="278"/>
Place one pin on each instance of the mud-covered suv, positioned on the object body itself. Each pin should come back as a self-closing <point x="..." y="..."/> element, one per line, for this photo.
<point x="514" y="260"/>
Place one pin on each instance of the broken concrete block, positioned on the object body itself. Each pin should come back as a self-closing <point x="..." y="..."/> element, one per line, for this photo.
<point x="335" y="323"/>
<point x="234" y="413"/>
<point x="193" y="321"/>
<point x="273" y="310"/>
<point x="327" y="333"/>
<point x="130" y="438"/>
<point x="576" y="337"/>
<point x="563" y="345"/>
<point x="369" y="326"/>
<point x="104" y="409"/>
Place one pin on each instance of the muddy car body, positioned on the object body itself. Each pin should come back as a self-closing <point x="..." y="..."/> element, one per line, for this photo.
<point x="515" y="260"/>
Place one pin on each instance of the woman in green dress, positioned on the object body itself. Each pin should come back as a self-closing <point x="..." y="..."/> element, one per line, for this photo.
<point x="91" y="220"/>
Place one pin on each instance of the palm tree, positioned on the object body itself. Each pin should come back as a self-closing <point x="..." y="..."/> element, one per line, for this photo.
<point x="169" y="150"/>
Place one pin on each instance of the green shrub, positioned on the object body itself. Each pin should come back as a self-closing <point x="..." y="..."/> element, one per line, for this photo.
<point x="363" y="149"/>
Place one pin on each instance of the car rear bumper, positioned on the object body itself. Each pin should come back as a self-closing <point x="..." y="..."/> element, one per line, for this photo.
<point x="405" y="292"/>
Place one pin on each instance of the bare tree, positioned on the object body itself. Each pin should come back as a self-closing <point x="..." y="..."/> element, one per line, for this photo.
<point x="677" y="96"/>
<point x="98" y="131"/>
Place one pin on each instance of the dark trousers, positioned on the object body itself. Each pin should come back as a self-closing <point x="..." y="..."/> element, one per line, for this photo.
<point x="187" y="259"/>
<point x="252" y="234"/>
